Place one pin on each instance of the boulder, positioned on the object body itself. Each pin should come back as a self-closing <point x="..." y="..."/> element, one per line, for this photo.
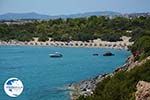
<point x="143" y="91"/>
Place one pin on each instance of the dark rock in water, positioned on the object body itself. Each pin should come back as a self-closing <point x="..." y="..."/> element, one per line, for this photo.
<point x="108" y="54"/>
<point x="95" y="54"/>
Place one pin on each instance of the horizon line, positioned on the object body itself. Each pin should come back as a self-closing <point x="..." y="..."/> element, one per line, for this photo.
<point x="73" y="13"/>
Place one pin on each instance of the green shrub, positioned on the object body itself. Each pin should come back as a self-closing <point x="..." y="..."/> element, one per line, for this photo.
<point x="141" y="47"/>
<point x="112" y="37"/>
<point x="43" y="38"/>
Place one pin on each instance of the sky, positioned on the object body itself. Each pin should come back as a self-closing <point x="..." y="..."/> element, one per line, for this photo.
<point x="66" y="7"/>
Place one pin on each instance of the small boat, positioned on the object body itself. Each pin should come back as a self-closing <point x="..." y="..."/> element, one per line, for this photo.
<point x="108" y="54"/>
<point x="95" y="54"/>
<point x="56" y="55"/>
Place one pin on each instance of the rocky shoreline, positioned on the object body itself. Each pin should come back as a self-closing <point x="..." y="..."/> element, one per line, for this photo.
<point x="86" y="87"/>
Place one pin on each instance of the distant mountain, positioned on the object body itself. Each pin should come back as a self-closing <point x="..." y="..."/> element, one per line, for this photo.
<point x="14" y="16"/>
<point x="104" y="13"/>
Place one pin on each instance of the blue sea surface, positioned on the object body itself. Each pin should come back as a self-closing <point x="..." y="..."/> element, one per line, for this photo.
<point x="46" y="78"/>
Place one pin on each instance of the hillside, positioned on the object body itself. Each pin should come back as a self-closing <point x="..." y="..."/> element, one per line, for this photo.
<point x="32" y="15"/>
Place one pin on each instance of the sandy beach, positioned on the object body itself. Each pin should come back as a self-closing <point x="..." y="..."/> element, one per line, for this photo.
<point x="98" y="43"/>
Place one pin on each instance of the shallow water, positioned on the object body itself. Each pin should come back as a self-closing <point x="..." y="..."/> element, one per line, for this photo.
<point x="46" y="78"/>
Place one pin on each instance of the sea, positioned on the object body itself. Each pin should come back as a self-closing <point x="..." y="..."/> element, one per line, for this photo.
<point x="46" y="78"/>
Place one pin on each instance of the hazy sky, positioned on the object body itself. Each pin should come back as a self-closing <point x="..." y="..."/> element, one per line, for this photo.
<point x="57" y="7"/>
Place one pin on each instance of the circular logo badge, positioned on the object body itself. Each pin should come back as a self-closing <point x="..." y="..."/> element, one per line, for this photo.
<point x="13" y="87"/>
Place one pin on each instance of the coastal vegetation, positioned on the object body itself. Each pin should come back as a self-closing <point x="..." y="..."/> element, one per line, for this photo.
<point x="79" y="29"/>
<point x="141" y="47"/>
<point x="121" y="86"/>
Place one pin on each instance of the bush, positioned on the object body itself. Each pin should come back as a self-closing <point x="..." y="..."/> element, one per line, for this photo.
<point x="141" y="47"/>
<point x="43" y="38"/>
<point x="112" y="37"/>
<point x="23" y="36"/>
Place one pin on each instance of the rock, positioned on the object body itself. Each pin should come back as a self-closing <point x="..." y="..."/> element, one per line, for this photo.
<point x="143" y="91"/>
<point x="134" y="64"/>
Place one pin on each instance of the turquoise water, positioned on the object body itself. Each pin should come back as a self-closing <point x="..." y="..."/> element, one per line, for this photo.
<point x="46" y="78"/>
